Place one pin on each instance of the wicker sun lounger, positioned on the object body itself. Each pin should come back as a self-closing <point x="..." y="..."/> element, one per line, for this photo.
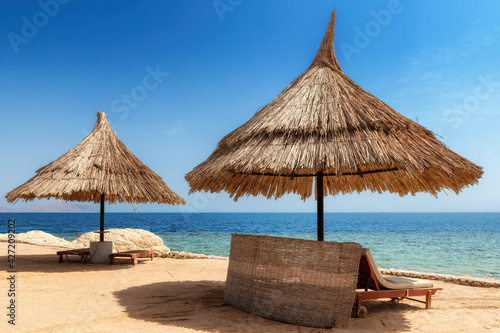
<point x="376" y="286"/>
<point x="132" y="255"/>
<point x="83" y="253"/>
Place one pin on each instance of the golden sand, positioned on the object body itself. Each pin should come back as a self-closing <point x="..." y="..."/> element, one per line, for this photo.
<point x="173" y="295"/>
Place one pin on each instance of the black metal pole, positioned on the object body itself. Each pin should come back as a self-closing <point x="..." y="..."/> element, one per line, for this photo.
<point x="102" y="219"/>
<point x="320" y="210"/>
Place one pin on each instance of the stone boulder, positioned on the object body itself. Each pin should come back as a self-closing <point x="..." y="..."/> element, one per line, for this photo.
<point x="37" y="237"/>
<point x="125" y="240"/>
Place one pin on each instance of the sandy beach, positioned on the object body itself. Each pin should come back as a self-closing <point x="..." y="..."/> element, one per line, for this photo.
<point x="175" y="295"/>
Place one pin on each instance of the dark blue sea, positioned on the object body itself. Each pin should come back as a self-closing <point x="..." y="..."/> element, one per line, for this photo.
<point x="446" y="243"/>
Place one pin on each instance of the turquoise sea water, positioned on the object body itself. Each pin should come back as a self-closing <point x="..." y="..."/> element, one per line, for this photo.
<point x="474" y="254"/>
<point x="446" y="243"/>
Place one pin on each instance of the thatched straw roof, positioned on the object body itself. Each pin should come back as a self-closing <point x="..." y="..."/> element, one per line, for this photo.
<point x="99" y="164"/>
<point x="323" y="121"/>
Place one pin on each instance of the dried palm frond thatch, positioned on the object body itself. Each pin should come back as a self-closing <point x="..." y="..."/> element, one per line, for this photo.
<point x="100" y="168"/>
<point x="99" y="164"/>
<point x="323" y="124"/>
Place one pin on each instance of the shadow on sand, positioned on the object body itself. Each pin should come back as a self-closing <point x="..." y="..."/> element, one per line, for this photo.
<point x="47" y="263"/>
<point x="200" y="305"/>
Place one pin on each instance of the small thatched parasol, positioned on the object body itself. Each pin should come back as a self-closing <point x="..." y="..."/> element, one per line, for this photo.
<point x="100" y="168"/>
<point x="324" y="125"/>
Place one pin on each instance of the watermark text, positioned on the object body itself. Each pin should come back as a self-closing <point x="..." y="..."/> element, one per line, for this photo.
<point x="127" y="101"/>
<point x="459" y="113"/>
<point x="30" y="26"/>
<point x="11" y="272"/>
<point x="373" y="28"/>
<point x="223" y="6"/>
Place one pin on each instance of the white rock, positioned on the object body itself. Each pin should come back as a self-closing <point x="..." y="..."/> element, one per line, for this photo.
<point x="37" y="237"/>
<point x="125" y="240"/>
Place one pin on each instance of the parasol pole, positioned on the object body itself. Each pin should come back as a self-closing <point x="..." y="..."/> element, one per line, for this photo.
<point x="101" y="234"/>
<point x="319" y="201"/>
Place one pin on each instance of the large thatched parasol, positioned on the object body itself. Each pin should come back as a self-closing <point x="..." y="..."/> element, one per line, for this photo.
<point x="324" y="125"/>
<point x="100" y="168"/>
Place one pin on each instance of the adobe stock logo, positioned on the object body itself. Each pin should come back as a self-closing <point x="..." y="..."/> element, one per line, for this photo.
<point x="373" y="28"/>
<point x="222" y="6"/>
<point x="459" y="113"/>
<point x="30" y="28"/>
<point x="138" y="93"/>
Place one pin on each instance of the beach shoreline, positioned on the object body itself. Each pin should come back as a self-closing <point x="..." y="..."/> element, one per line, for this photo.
<point x="174" y="295"/>
<point x="458" y="279"/>
<point x="459" y="244"/>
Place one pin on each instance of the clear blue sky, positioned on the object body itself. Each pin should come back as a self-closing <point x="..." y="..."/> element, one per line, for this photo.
<point x="62" y="61"/>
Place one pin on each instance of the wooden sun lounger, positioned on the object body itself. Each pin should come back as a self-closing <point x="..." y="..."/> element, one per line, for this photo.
<point x="133" y="255"/>
<point x="376" y="286"/>
<point x="83" y="253"/>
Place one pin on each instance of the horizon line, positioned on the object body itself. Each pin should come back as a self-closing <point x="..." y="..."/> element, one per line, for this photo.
<point x="284" y="212"/>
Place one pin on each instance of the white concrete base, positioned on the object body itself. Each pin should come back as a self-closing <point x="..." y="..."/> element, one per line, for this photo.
<point x="99" y="252"/>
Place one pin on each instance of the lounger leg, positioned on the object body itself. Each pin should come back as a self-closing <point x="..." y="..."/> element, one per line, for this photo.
<point x="359" y="300"/>
<point x="111" y="260"/>
<point x="428" y="299"/>
<point x="134" y="261"/>
<point x="361" y="311"/>
<point x="151" y="256"/>
<point x="60" y="258"/>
